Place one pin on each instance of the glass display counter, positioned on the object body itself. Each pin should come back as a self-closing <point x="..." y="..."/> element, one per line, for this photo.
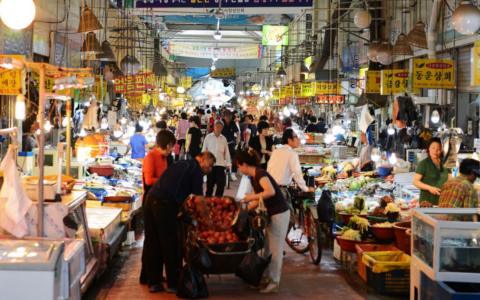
<point x="445" y="243"/>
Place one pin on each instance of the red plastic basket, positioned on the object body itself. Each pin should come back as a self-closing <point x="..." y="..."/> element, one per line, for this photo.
<point x="101" y="170"/>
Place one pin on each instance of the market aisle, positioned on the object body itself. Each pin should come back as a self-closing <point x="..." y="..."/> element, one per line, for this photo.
<point x="300" y="279"/>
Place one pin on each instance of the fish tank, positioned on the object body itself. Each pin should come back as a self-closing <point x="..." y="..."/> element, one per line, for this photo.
<point x="446" y="243"/>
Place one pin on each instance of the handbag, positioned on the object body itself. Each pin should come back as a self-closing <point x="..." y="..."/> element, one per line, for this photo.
<point x="177" y="149"/>
<point x="262" y="219"/>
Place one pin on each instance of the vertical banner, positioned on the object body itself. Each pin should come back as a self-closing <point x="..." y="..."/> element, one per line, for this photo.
<point x="11" y="82"/>
<point x="373" y="82"/>
<point x="476" y="64"/>
<point x="394" y="82"/>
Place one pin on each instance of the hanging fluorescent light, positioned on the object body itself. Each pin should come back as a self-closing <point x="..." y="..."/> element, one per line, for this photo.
<point x="217" y="36"/>
<point x="20" y="107"/>
<point x="435" y="117"/>
<point x="466" y="18"/>
<point x="17" y="14"/>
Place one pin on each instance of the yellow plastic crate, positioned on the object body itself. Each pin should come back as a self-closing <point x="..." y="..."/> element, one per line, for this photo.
<point x="382" y="262"/>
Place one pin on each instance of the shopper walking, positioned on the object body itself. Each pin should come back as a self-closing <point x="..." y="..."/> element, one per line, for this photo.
<point x="321" y="126"/>
<point x="312" y="127"/>
<point x="216" y="143"/>
<point x="213" y="118"/>
<point x="263" y="144"/>
<point x="194" y="138"/>
<point x="155" y="163"/>
<point x="181" y="133"/>
<point x="229" y="130"/>
<point x="265" y="187"/>
<point x="285" y="164"/>
<point x="138" y="144"/>
<point x="164" y="201"/>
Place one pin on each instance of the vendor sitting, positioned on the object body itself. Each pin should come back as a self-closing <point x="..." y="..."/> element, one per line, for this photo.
<point x="459" y="192"/>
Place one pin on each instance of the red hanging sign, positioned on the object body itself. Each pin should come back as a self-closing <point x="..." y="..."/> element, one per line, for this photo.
<point x="330" y="99"/>
<point x="135" y="83"/>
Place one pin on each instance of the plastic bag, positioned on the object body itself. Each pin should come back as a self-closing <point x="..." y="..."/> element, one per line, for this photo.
<point x="252" y="267"/>
<point x="245" y="187"/>
<point x="192" y="285"/>
<point x="326" y="208"/>
<point x="200" y="259"/>
<point x="241" y="223"/>
<point x="177" y="149"/>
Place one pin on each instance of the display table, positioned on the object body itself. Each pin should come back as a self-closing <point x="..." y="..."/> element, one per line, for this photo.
<point x="309" y="158"/>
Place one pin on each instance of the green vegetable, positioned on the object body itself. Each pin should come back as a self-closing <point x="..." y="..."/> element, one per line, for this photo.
<point x="345" y="229"/>
<point x="355" y="185"/>
<point x="359" y="202"/>
<point x="352" y="210"/>
<point x="352" y="235"/>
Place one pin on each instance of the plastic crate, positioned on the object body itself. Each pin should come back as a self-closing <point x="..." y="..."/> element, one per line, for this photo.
<point x="388" y="272"/>
<point x="393" y="283"/>
<point x="361" y="268"/>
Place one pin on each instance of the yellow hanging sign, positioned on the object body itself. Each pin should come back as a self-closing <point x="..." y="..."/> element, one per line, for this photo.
<point x="433" y="73"/>
<point x="11" y="81"/>
<point x="289" y="91"/>
<point x="308" y="90"/>
<point x="394" y="82"/>
<point x="186" y="82"/>
<point x="373" y="82"/>
<point x="227" y="72"/>
<point x="276" y="94"/>
<point x="170" y="91"/>
<point x="476" y="64"/>
<point x="297" y="91"/>
<point x="328" y="88"/>
<point x="282" y="93"/>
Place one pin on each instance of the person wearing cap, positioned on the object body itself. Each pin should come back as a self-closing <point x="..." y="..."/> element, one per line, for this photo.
<point x="229" y="131"/>
<point x="138" y="144"/>
<point x="216" y="143"/>
<point x="459" y="192"/>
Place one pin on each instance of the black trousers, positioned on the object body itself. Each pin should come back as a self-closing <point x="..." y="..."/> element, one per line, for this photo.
<point x="162" y="248"/>
<point x="233" y="152"/>
<point x="218" y="177"/>
<point x="181" y="143"/>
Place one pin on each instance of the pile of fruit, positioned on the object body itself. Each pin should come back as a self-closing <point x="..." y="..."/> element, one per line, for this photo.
<point x="222" y="212"/>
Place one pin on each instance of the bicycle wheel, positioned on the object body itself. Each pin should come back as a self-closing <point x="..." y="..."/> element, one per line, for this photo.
<point x="316" y="241"/>
<point x="297" y="238"/>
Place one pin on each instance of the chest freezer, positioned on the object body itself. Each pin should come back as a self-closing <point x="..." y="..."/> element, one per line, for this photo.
<point x="41" y="269"/>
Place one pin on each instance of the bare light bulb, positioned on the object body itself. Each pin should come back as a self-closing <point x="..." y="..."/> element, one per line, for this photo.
<point x="48" y="126"/>
<point x="435" y="117"/>
<point x="391" y="129"/>
<point x="181" y="89"/>
<point x="392" y="159"/>
<point x="375" y="155"/>
<point x="17" y="14"/>
<point x="217" y="36"/>
<point x="213" y="68"/>
<point x="303" y="141"/>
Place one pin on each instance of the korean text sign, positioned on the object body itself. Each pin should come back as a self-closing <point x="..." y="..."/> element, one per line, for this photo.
<point x="433" y="73"/>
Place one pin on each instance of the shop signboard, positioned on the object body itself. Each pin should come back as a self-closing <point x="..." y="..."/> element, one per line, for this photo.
<point x="11" y="81"/>
<point x="97" y="87"/>
<point x="186" y="82"/>
<point x="303" y="101"/>
<point x="282" y="93"/>
<point x="139" y="83"/>
<point x="297" y="91"/>
<point x="286" y="100"/>
<point x="373" y="82"/>
<point x="256" y="89"/>
<point x="18" y="42"/>
<point x="393" y="82"/>
<point x="275" y="35"/>
<point x="276" y="93"/>
<point x="433" y="73"/>
<point x="226" y="72"/>
<point x="228" y="20"/>
<point x="75" y="54"/>
<point x="289" y="91"/>
<point x="228" y="7"/>
<point x="476" y="64"/>
<point x="328" y="88"/>
<point x="177" y="103"/>
<point x="308" y="89"/>
<point x="330" y="99"/>
<point x="170" y="91"/>
<point x="243" y="52"/>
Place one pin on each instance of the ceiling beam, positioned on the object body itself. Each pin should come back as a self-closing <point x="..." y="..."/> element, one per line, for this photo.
<point x="174" y="26"/>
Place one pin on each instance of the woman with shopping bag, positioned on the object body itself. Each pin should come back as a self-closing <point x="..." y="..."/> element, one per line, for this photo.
<point x="268" y="191"/>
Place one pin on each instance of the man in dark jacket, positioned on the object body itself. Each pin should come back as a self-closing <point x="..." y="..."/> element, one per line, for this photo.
<point x="321" y="126"/>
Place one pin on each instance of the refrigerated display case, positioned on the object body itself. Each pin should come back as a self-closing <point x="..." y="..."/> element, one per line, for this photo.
<point x="51" y="268"/>
<point x="444" y="243"/>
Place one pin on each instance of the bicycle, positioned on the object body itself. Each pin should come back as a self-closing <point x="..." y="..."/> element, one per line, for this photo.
<point x="304" y="232"/>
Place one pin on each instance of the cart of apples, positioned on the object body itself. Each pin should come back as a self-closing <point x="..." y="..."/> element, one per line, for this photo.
<point x="222" y="212"/>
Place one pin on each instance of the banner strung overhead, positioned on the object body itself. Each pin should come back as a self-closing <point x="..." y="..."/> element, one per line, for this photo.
<point x="228" y="7"/>
<point x="140" y="82"/>
<point x="247" y="52"/>
<point x="227" y="72"/>
<point x="229" y="20"/>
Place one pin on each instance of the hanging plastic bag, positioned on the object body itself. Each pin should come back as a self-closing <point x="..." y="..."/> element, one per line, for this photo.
<point x="252" y="267"/>
<point x="241" y="223"/>
<point x="200" y="258"/>
<point x="192" y="285"/>
<point x="245" y="187"/>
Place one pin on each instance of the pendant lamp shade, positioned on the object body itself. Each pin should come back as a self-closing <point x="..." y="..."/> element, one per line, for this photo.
<point x="417" y="37"/>
<point x="130" y="65"/>
<point x="91" y="44"/>
<point x="372" y="49"/>
<point x="281" y="72"/>
<point x="303" y="69"/>
<point x="107" y="52"/>
<point x="466" y="18"/>
<point x="159" y="69"/>
<point x="150" y="108"/>
<point x="362" y="18"/>
<point x="384" y="53"/>
<point x="88" y="22"/>
<point x="401" y="48"/>
<point x="334" y="63"/>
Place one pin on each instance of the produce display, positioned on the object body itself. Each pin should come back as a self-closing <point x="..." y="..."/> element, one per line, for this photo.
<point x="222" y="212"/>
<point x="386" y="224"/>
<point x="426" y="204"/>
<point x="358" y="223"/>
<point x="391" y="208"/>
<point x="352" y="235"/>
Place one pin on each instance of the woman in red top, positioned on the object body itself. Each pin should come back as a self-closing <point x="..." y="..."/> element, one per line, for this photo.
<point x="154" y="165"/>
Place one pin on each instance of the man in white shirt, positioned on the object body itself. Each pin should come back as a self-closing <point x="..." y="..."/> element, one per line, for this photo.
<point x="285" y="164"/>
<point x="216" y="143"/>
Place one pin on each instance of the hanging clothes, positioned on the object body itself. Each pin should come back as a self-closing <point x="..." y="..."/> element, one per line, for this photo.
<point x="91" y="118"/>
<point x="406" y="114"/>
<point x="396" y="120"/>
<point x="14" y="202"/>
